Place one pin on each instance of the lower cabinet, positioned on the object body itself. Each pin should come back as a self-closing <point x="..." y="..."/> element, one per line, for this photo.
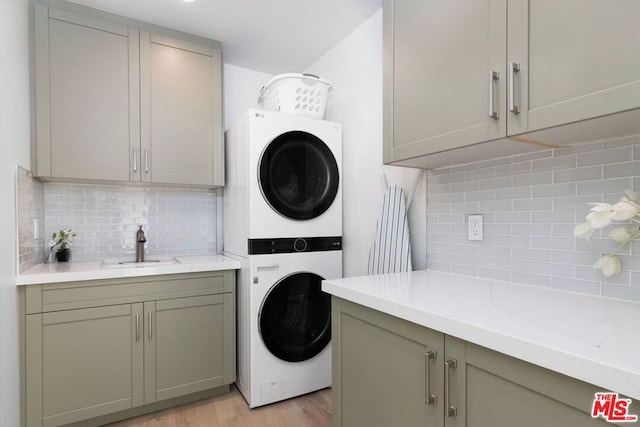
<point x="175" y="339"/>
<point x="387" y="371"/>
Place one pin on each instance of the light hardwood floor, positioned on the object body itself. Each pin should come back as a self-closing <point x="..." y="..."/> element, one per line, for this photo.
<point x="231" y="410"/>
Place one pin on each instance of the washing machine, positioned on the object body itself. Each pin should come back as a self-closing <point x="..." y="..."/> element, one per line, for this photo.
<point x="283" y="180"/>
<point x="284" y="323"/>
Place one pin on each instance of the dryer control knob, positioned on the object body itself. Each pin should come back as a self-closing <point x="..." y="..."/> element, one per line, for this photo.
<point x="300" y="245"/>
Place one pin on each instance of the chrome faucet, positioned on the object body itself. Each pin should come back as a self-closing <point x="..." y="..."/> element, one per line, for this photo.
<point x="140" y="241"/>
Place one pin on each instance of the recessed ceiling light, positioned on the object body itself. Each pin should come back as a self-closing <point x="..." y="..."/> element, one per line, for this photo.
<point x="188" y="1"/>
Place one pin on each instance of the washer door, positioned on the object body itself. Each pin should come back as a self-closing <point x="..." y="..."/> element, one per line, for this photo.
<point x="295" y="318"/>
<point x="298" y="175"/>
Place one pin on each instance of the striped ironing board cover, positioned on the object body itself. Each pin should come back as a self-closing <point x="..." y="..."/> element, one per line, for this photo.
<point x="390" y="250"/>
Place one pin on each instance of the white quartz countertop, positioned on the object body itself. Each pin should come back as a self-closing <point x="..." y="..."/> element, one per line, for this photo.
<point x="590" y="338"/>
<point x="95" y="270"/>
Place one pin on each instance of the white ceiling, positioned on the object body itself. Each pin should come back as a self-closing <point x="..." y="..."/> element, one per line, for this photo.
<point x="272" y="36"/>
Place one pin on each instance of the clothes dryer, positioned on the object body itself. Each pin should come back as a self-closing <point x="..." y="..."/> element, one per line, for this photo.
<point x="283" y="179"/>
<point x="284" y="324"/>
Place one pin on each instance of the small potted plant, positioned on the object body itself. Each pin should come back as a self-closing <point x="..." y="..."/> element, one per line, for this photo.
<point x="63" y="240"/>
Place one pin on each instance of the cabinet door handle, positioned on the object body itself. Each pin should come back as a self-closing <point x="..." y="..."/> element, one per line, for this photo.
<point x="493" y="112"/>
<point x="146" y="161"/>
<point x="135" y="160"/>
<point x="513" y="69"/>
<point x="450" y="410"/>
<point x="137" y="327"/>
<point x="150" y="325"/>
<point x="430" y="399"/>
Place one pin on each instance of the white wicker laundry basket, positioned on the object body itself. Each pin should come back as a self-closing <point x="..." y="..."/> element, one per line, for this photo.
<point x="295" y="93"/>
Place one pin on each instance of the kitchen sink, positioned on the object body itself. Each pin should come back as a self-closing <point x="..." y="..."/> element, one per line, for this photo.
<point x="157" y="262"/>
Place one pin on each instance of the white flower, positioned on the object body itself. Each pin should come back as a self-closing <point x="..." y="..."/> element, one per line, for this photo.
<point x="609" y="264"/>
<point x="584" y="230"/>
<point x="601" y="215"/>
<point x="624" y="210"/>
<point x="621" y="235"/>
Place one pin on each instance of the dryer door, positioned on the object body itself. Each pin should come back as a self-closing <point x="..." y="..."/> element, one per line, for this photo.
<point x="298" y="175"/>
<point x="295" y="318"/>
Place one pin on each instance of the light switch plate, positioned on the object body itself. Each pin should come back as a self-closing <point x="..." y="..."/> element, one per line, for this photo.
<point x="475" y="227"/>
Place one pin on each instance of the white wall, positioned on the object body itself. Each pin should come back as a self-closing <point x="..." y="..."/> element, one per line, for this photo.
<point x="241" y="88"/>
<point x="14" y="149"/>
<point x="354" y="67"/>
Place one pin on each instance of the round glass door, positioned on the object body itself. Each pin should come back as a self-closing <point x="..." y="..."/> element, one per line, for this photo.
<point x="295" y="318"/>
<point x="298" y="175"/>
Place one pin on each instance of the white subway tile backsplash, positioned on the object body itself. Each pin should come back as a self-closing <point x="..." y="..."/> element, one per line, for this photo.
<point x="554" y="163"/>
<point x="622" y="142"/>
<point x="531" y="229"/>
<point x="531" y="254"/>
<point x="477" y="196"/>
<point x="29" y="220"/>
<point x="531" y="204"/>
<point x="464" y="186"/>
<point x="547" y="190"/>
<point x="620" y="292"/>
<point x="474" y="175"/>
<point x="562" y="243"/>
<point x="513" y="193"/>
<point x="532" y="156"/>
<point x="616" y="170"/>
<point x="177" y="222"/>
<point x="514" y="169"/>
<point x="497" y="229"/>
<point x="496" y="206"/>
<point x="512" y="217"/>
<point x="554" y="217"/>
<point x="578" y="174"/>
<point x="600" y="157"/>
<point x="533" y="179"/>
<point x="494" y="183"/>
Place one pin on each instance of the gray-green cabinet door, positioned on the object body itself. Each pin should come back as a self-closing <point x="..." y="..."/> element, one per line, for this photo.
<point x="438" y="59"/>
<point x="83" y="363"/>
<point x="579" y="59"/>
<point x="503" y="391"/>
<point x="86" y="74"/>
<point x="381" y="373"/>
<point x="189" y="345"/>
<point x="181" y="112"/>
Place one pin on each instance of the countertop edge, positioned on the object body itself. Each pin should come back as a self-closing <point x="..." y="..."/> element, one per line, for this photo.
<point x="75" y="272"/>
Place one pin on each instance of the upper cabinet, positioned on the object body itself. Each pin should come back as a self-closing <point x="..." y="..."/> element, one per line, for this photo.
<point x="181" y="107"/>
<point x="120" y="102"/>
<point x="458" y="74"/>
<point x="578" y="60"/>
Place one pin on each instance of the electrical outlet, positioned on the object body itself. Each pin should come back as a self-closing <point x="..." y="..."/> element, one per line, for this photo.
<point x="475" y="227"/>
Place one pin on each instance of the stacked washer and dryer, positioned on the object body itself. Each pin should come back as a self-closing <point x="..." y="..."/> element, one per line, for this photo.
<point x="283" y="221"/>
